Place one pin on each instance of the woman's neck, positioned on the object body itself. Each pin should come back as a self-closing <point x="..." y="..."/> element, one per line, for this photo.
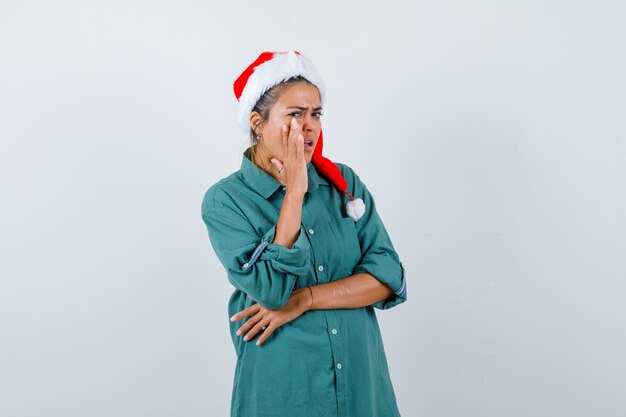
<point x="265" y="164"/>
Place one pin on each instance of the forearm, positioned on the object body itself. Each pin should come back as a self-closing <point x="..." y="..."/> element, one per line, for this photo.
<point x="354" y="291"/>
<point x="289" y="220"/>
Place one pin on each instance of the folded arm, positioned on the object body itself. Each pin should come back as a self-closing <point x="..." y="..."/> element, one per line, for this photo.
<point x="354" y="291"/>
<point x="264" y="270"/>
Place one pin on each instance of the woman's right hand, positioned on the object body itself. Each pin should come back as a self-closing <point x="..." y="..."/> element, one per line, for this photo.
<point x="294" y="170"/>
<point x="268" y="320"/>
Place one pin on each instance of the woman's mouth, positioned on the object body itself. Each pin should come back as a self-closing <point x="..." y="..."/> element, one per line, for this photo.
<point x="309" y="145"/>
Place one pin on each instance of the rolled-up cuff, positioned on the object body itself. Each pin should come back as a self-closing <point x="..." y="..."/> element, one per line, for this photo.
<point x="294" y="260"/>
<point x="397" y="285"/>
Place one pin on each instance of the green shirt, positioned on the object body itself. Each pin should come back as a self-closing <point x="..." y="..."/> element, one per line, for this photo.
<point x="325" y="363"/>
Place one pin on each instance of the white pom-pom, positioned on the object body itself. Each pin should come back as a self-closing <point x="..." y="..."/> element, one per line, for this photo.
<point x="355" y="208"/>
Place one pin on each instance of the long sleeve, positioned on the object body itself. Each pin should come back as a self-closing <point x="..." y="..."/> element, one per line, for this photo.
<point x="266" y="272"/>
<point x="379" y="257"/>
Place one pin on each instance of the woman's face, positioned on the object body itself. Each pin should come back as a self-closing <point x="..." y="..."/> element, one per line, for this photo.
<point x="300" y="100"/>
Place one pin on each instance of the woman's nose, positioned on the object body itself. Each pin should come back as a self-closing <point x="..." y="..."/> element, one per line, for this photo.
<point x="307" y="121"/>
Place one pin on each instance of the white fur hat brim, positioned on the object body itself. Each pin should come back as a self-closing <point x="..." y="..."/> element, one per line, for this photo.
<point x="281" y="67"/>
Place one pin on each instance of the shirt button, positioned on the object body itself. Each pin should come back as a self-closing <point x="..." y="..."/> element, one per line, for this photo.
<point x="334" y="331"/>
<point x="311" y="231"/>
<point x="338" y="366"/>
<point x="320" y="268"/>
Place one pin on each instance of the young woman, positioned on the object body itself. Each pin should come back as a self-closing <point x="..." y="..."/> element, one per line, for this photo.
<point x="308" y="255"/>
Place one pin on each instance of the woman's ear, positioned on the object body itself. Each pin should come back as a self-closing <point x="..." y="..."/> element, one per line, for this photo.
<point x="255" y="120"/>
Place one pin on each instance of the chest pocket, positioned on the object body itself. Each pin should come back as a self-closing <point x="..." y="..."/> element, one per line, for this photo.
<point x="348" y="253"/>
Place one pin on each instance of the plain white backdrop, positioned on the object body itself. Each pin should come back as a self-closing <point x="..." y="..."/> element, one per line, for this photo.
<point x="492" y="135"/>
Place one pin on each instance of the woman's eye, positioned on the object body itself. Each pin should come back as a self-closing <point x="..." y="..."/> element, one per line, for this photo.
<point x="317" y="114"/>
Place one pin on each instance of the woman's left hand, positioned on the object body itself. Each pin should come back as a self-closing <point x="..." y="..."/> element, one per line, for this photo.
<point x="298" y="303"/>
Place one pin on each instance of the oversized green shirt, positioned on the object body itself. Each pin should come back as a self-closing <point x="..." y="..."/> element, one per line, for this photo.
<point x="325" y="363"/>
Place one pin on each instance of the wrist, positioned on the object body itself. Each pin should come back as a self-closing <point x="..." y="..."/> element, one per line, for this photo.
<point x="303" y="298"/>
<point x="294" y="194"/>
<point x="310" y="305"/>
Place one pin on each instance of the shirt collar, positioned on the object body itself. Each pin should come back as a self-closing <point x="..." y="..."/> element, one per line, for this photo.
<point x="264" y="184"/>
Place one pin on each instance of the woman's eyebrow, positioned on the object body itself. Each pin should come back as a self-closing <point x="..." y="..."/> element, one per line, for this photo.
<point x="303" y="108"/>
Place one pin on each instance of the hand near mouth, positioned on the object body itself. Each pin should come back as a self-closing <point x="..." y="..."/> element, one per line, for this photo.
<point x="293" y="168"/>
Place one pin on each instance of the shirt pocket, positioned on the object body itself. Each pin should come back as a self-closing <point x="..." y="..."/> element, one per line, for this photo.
<point x="348" y="246"/>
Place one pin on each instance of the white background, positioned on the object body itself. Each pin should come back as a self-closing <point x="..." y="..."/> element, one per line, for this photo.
<point x="492" y="134"/>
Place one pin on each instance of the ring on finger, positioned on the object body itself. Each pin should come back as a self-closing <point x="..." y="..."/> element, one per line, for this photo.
<point x="281" y="169"/>
<point x="262" y="327"/>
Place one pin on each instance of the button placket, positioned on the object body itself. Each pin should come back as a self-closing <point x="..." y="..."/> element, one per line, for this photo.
<point x="338" y="357"/>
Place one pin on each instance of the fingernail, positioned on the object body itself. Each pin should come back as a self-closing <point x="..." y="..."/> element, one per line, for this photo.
<point x="284" y="128"/>
<point x="258" y="343"/>
<point x="238" y="332"/>
<point x="245" y="338"/>
<point x="233" y="318"/>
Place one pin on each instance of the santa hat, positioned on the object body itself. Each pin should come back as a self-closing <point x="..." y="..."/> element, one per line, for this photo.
<point x="270" y="69"/>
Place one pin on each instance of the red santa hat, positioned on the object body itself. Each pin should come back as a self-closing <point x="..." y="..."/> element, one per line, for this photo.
<point x="270" y="69"/>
